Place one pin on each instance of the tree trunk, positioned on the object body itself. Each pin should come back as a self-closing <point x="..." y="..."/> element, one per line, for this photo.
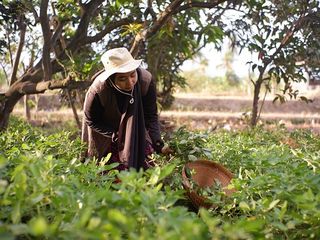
<point x="36" y="99"/>
<point x="27" y="107"/>
<point x="81" y="97"/>
<point x="7" y="104"/>
<point x="255" y="104"/>
<point x="74" y="110"/>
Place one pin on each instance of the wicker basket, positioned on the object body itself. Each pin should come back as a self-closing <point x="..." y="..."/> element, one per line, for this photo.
<point x="206" y="174"/>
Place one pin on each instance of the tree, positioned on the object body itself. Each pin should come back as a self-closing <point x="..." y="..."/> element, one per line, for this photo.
<point x="280" y="33"/>
<point x="71" y="34"/>
<point x="227" y="61"/>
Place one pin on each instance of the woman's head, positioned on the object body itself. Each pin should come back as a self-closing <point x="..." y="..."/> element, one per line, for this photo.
<point x="125" y="81"/>
<point x="119" y="62"/>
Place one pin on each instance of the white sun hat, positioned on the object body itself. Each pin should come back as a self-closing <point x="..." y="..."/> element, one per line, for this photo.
<point x="117" y="60"/>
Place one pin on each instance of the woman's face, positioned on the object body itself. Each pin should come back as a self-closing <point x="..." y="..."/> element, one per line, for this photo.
<point x="126" y="81"/>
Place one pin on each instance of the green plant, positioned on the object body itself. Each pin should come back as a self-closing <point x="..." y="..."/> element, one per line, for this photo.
<point x="47" y="193"/>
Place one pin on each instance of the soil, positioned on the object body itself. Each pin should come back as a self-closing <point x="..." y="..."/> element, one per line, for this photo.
<point x="230" y="112"/>
<point x="201" y="112"/>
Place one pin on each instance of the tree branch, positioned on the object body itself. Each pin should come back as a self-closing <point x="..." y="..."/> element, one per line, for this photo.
<point x="46" y="65"/>
<point x="110" y="27"/>
<point x="9" y="46"/>
<point x="285" y="41"/>
<point x="195" y="4"/>
<point x="149" y="10"/>
<point x="56" y="35"/>
<point x="23" y="28"/>
<point x="77" y="41"/>
<point x="164" y="16"/>
<point x="30" y="6"/>
<point x="161" y="20"/>
<point x="5" y="73"/>
<point x="82" y="30"/>
<point x="41" y="87"/>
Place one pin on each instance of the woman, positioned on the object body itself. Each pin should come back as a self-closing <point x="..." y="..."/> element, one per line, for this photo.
<point x="120" y="112"/>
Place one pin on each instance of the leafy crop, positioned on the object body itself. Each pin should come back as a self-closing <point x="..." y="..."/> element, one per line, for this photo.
<point x="277" y="179"/>
<point x="47" y="193"/>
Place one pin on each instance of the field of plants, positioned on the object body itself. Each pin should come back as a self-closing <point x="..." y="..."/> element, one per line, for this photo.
<point x="47" y="193"/>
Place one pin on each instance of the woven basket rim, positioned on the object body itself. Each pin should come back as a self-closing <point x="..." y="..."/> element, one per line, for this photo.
<point x="197" y="200"/>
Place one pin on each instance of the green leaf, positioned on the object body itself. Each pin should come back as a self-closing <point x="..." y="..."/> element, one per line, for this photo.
<point x="166" y="170"/>
<point x="16" y="213"/>
<point x="37" y="198"/>
<point x="154" y="176"/>
<point x="18" y="229"/>
<point x="272" y="205"/>
<point x="38" y="226"/>
<point x="283" y="210"/>
<point x="85" y="216"/>
<point x="25" y="146"/>
<point x="192" y="158"/>
<point x="3" y="161"/>
<point x="280" y="226"/>
<point x="244" y="206"/>
<point x="94" y="222"/>
<point x="3" y="186"/>
<point x="105" y="159"/>
<point x="117" y="216"/>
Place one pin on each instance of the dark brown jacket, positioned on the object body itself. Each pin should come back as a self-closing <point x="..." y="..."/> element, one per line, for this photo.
<point x="102" y="115"/>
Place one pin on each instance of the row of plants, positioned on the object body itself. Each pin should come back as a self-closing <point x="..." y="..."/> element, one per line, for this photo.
<point x="47" y="193"/>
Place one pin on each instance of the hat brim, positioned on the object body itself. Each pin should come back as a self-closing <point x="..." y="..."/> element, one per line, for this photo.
<point x="128" y="67"/>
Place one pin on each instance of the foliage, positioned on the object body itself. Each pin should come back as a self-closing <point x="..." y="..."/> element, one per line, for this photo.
<point x="178" y="43"/>
<point x="276" y="176"/>
<point x="47" y="193"/>
<point x="72" y="56"/>
<point x="197" y="82"/>
<point x="281" y="35"/>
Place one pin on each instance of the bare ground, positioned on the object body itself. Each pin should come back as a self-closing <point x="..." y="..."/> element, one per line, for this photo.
<point x="234" y="112"/>
<point x="200" y="112"/>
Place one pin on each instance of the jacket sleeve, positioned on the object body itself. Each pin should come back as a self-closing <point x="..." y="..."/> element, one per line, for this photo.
<point x="151" y="116"/>
<point x="93" y="112"/>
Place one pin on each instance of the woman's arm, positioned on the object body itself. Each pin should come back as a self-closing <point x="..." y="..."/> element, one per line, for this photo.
<point x="93" y="112"/>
